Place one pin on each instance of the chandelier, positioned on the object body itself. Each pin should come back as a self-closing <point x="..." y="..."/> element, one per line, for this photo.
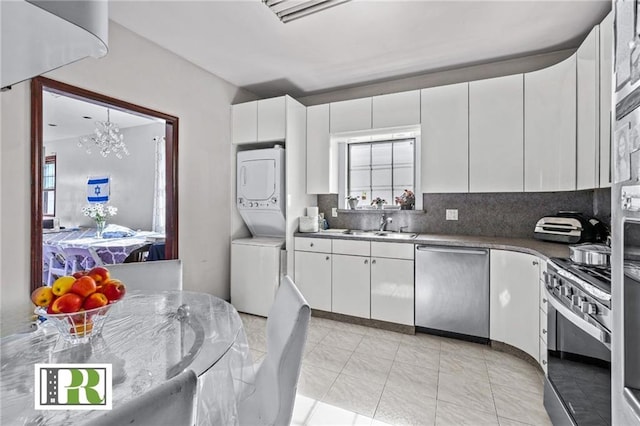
<point x="106" y="137"/>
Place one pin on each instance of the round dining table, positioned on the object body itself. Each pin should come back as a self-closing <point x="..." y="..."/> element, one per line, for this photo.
<point x="148" y="338"/>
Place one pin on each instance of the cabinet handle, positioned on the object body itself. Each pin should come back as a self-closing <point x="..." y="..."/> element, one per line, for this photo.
<point x="373" y="262"/>
<point x="311" y="245"/>
<point x="544" y="362"/>
<point x="544" y="300"/>
<point x="535" y="262"/>
<point x="544" y="331"/>
<point x="366" y="262"/>
<point x="327" y="258"/>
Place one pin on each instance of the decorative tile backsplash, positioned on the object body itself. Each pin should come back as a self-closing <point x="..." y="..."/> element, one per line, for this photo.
<point x="486" y="214"/>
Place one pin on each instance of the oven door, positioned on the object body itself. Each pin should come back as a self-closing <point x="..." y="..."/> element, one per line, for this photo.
<point x="578" y="390"/>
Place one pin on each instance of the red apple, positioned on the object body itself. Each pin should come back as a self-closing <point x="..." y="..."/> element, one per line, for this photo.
<point x="49" y="311"/>
<point x="113" y="289"/>
<point x="84" y="286"/>
<point x="42" y="296"/>
<point x="66" y="304"/>
<point x="95" y="300"/>
<point x="79" y="274"/>
<point x="100" y="274"/>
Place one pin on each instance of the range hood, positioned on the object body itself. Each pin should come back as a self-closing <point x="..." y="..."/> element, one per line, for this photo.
<point x="41" y="35"/>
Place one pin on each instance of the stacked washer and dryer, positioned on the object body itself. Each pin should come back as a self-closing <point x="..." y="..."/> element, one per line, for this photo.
<point x="256" y="262"/>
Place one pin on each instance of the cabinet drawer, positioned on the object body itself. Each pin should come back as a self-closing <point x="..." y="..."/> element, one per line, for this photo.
<point x="313" y="244"/>
<point x="354" y="248"/>
<point x="392" y="250"/>
<point x="544" y="356"/>
<point x="543" y="326"/>
<point x="543" y="298"/>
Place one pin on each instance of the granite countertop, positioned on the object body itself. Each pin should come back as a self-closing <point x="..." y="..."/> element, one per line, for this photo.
<point x="543" y="249"/>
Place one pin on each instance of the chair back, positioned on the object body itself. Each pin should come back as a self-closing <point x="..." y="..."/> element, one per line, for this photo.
<point x="54" y="262"/>
<point x="81" y="258"/>
<point x="138" y="255"/>
<point x="277" y="377"/>
<point x="171" y="403"/>
<point x="160" y="275"/>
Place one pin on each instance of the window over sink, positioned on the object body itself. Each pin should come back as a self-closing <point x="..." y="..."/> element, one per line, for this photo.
<point x="379" y="165"/>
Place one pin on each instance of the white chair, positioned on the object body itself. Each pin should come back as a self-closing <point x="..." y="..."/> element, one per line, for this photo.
<point x="81" y="258"/>
<point x="171" y="403"/>
<point x="55" y="262"/>
<point x="158" y="275"/>
<point x="276" y="378"/>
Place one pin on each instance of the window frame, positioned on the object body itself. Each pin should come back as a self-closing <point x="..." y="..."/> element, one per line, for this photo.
<point x="50" y="159"/>
<point x="371" y="144"/>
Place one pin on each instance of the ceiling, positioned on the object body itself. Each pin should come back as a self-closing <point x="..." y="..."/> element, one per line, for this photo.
<point x="68" y="116"/>
<point x="356" y="43"/>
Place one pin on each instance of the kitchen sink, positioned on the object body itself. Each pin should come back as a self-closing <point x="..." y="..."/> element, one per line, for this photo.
<point x="396" y="235"/>
<point x="385" y="234"/>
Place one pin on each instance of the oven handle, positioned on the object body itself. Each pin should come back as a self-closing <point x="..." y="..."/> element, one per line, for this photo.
<point x="597" y="333"/>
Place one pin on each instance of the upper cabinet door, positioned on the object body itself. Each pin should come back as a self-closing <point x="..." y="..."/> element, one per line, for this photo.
<point x="588" y="114"/>
<point x="445" y="138"/>
<point x="272" y="119"/>
<point x="244" y="118"/>
<point x="347" y="116"/>
<point x="322" y="156"/>
<point x="606" y="72"/>
<point x="496" y="143"/>
<point x="550" y="128"/>
<point x="397" y="109"/>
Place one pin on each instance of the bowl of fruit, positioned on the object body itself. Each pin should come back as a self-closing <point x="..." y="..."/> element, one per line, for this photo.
<point x="78" y="305"/>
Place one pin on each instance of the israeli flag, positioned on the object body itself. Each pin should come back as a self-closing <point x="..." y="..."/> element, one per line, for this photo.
<point x="98" y="189"/>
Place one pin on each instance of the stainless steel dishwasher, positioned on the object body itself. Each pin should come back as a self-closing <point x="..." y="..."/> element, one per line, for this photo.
<point x="452" y="290"/>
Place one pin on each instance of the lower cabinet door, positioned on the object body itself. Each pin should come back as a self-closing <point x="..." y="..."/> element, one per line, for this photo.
<point x="313" y="278"/>
<point x="392" y="290"/>
<point x="351" y="288"/>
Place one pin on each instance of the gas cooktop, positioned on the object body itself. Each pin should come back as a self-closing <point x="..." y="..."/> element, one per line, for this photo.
<point x="598" y="276"/>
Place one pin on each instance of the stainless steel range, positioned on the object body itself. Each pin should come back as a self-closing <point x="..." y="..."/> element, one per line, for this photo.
<point x="578" y="387"/>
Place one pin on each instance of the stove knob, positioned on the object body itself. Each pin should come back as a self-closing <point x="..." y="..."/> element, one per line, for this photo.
<point x="566" y="291"/>
<point x="576" y="300"/>
<point x="589" y="308"/>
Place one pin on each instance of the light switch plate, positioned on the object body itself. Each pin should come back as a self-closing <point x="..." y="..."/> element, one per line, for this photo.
<point x="334" y="212"/>
<point x="452" y="214"/>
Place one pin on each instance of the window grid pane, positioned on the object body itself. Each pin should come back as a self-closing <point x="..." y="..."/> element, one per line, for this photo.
<point x="380" y="169"/>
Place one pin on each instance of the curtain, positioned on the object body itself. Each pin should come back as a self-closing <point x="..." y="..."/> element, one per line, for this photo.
<point x="159" y="197"/>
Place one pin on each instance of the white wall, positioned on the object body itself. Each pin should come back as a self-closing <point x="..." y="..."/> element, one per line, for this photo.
<point x="132" y="178"/>
<point x="140" y="72"/>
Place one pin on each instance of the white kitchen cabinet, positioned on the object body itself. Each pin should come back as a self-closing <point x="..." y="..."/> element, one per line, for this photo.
<point x="351" y="285"/>
<point x="322" y="154"/>
<point x="348" y="116"/>
<point x="514" y="306"/>
<point x="244" y="118"/>
<point x="606" y="93"/>
<point x="313" y="278"/>
<point x="444" y="114"/>
<point x="588" y="112"/>
<point x="550" y="128"/>
<point x="259" y="121"/>
<point x="396" y="109"/>
<point x="392" y="290"/>
<point x="272" y="119"/>
<point x="544" y="357"/>
<point x="496" y="123"/>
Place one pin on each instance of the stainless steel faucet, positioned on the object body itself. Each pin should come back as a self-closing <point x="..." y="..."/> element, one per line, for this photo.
<point x="384" y="220"/>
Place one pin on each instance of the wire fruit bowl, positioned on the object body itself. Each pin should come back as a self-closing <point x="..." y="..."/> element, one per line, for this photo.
<point x="81" y="326"/>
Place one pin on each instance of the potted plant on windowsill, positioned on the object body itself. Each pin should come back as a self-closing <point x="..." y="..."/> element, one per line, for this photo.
<point x="352" y="201"/>
<point x="407" y="200"/>
<point x="378" y="202"/>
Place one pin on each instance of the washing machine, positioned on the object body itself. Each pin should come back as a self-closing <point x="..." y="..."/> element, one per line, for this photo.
<point x="260" y="195"/>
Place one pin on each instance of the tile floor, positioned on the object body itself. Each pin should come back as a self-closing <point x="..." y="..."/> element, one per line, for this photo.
<point x="356" y="375"/>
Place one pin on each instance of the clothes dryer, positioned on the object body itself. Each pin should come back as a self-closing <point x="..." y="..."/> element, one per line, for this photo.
<point x="260" y="195"/>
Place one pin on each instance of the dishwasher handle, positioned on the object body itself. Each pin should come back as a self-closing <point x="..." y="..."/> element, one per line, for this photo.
<point x="451" y="250"/>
